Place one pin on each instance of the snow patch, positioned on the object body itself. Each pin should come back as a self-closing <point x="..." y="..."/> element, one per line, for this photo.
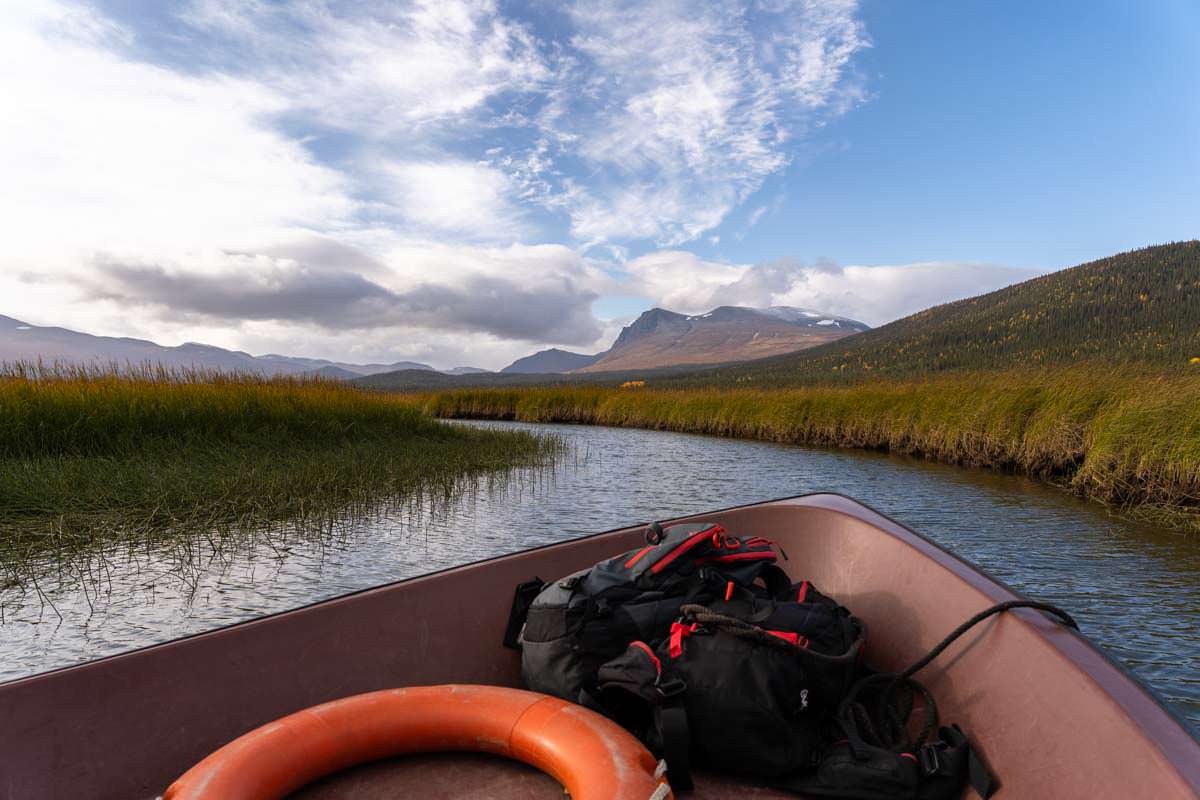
<point x="24" y="328"/>
<point x="828" y="322"/>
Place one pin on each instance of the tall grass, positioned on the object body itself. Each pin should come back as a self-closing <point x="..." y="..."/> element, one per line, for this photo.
<point x="1127" y="439"/>
<point x="88" y="454"/>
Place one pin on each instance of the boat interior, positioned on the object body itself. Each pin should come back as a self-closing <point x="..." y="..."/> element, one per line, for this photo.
<point x="1050" y="714"/>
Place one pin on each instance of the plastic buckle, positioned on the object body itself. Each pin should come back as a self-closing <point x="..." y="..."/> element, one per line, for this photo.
<point x="928" y="758"/>
<point x="671" y="687"/>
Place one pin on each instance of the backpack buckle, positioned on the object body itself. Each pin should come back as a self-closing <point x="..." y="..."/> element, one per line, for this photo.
<point x="671" y="687"/>
<point x="927" y="757"/>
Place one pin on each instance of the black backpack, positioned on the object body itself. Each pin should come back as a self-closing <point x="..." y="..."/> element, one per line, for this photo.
<point x="574" y="625"/>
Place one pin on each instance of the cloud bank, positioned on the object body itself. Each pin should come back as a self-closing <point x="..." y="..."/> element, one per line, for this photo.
<point x="552" y="304"/>
<point x="872" y="294"/>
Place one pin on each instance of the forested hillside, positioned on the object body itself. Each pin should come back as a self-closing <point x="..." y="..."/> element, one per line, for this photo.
<point x="1142" y="306"/>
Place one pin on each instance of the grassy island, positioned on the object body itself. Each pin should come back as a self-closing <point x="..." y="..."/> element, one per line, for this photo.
<point x="86" y="455"/>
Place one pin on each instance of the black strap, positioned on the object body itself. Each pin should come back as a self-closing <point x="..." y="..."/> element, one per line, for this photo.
<point x="887" y="727"/>
<point x="982" y="781"/>
<point x="522" y="599"/>
<point x="921" y="663"/>
<point x="677" y="742"/>
<point x="778" y="583"/>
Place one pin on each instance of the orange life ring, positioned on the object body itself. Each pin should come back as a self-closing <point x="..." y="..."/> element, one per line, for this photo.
<point x="593" y="757"/>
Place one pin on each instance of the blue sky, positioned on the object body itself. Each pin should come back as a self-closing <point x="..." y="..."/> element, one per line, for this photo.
<point x="1035" y="134"/>
<point x="466" y="181"/>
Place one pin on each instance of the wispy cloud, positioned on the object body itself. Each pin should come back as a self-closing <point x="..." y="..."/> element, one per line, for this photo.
<point x="376" y="68"/>
<point x="172" y="168"/>
<point x="680" y="109"/>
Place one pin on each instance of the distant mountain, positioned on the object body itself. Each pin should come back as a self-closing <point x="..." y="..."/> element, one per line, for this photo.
<point x="466" y="371"/>
<point x="422" y="379"/>
<point x="550" y="361"/>
<point x="1141" y="306"/>
<point x="20" y="341"/>
<point x="310" y="364"/>
<point x="660" y="338"/>
<point x="332" y="373"/>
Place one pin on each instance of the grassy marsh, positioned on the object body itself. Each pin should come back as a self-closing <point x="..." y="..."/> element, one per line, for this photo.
<point x="89" y="455"/>
<point x="1127" y="438"/>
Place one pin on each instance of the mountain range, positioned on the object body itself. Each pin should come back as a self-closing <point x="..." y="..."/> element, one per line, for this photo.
<point x="20" y="341"/>
<point x="661" y="338"/>
<point x="550" y="361"/>
<point x="658" y="338"/>
<point x="1142" y="306"/>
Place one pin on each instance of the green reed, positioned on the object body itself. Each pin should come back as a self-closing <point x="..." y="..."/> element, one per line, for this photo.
<point x="90" y="454"/>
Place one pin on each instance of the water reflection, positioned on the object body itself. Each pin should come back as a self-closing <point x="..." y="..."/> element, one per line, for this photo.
<point x="1133" y="588"/>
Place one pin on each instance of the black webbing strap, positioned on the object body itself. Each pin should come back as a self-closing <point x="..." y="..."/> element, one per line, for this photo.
<point x="676" y="745"/>
<point x="982" y="781"/>
<point x="778" y="583"/>
<point x="522" y="599"/>
<point x="676" y="737"/>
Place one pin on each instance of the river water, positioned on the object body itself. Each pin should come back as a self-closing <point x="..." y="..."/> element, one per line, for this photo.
<point x="1134" y="590"/>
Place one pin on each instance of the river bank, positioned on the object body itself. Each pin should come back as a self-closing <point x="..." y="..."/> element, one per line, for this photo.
<point x="92" y="455"/>
<point x="1128" y="439"/>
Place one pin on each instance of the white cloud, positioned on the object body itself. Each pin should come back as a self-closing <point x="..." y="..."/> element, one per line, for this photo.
<point x="880" y="294"/>
<point x="103" y="154"/>
<point x="378" y="67"/>
<point x="679" y="280"/>
<point x="873" y="294"/>
<point x="458" y="197"/>
<point x="186" y="174"/>
<point x="686" y="107"/>
<point x="117" y="162"/>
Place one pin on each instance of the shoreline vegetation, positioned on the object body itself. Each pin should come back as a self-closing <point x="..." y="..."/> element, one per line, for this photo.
<point x="1128" y="438"/>
<point x="90" y="456"/>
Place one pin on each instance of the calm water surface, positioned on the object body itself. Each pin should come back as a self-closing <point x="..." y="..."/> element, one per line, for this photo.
<point x="1134" y="590"/>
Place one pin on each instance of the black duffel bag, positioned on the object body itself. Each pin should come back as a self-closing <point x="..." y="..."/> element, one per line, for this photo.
<point x="744" y="684"/>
